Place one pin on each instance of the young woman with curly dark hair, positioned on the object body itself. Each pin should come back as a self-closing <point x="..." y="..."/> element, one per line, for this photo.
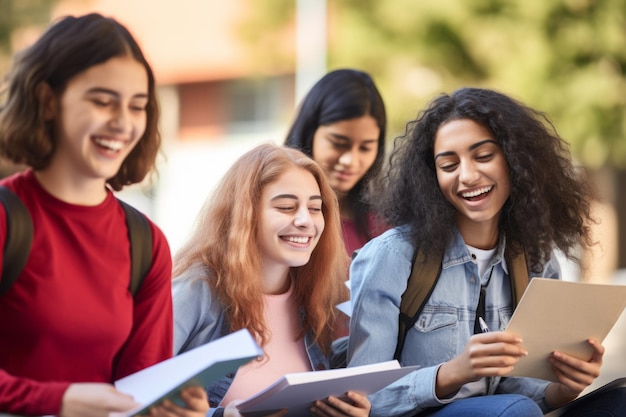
<point x="477" y="176"/>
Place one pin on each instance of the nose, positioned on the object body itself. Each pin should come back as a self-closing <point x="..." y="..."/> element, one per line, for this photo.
<point x="468" y="174"/>
<point x="120" y="119"/>
<point x="303" y="217"/>
<point x="346" y="158"/>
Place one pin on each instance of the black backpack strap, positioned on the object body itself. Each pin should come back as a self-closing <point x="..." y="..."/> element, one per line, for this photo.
<point x="19" y="237"/>
<point x="140" y="237"/>
<point x="425" y="272"/>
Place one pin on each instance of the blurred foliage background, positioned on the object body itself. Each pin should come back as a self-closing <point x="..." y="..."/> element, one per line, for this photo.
<point x="564" y="57"/>
<point x="18" y="14"/>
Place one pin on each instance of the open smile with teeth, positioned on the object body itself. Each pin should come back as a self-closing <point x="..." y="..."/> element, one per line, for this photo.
<point x="477" y="192"/>
<point x="297" y="239"/>
<point x="113" y="145"/>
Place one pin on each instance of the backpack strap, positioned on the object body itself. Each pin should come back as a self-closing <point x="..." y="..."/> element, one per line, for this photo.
<point x="518" y="274"/>
<point x="425" y="272"/>
<point x="19" y="237"/>
<point x="140" y="237"/>
<point x="424" y="275"/>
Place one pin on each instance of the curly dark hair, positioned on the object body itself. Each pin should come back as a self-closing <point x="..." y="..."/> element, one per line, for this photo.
<point x="550" y="201"/>
<point x="342" y="94"/>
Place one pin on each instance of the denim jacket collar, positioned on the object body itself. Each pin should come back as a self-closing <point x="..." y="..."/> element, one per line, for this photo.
<point x="457" y="253"/>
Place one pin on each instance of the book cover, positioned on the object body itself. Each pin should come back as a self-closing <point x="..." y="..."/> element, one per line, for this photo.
<point x="198" y="367"/>
<point x="297" y="391"/>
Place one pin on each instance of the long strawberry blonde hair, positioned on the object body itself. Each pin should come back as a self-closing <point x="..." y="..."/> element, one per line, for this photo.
<point x="226" y="240"/>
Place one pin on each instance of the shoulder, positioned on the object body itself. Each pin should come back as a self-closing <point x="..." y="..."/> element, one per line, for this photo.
<point x="192" y="287"/>
<point x="199" y="317"/>
<point x="389" y="255"/>
<point x="396" y="240"/>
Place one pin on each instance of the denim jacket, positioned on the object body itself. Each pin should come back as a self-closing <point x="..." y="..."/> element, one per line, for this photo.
<point x="199" y="318"/>
<point x="378" y="277"/>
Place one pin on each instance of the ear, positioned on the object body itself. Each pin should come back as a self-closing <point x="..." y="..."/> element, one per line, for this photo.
<point x="48" y="101"/>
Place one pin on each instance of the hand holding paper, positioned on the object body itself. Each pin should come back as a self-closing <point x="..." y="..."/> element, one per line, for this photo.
<point x="561" y="316"/>
<point x="198" y="367"/>
<point x="298" y="391"/>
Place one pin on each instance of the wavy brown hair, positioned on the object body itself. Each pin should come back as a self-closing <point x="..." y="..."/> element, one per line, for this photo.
<point x="67" y="48"/>
<point x="549" y="204"/>
<point x="226" y="240"/>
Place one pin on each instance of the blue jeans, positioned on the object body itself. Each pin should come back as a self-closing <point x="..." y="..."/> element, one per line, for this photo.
<point x="611" y="403"/>
<point x="501" y="405"/>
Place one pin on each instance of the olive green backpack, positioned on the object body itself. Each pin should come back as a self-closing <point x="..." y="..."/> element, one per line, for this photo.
<point x="424" y="275"/>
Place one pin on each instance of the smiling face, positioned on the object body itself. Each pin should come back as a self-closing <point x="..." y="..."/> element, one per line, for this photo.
<point x="472" y="173"/>
<point x="346" y="150"/>
<point x="291" y="221"/>
<point x="99" y="118"/>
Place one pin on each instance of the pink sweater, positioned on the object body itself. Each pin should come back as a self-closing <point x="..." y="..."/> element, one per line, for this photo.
<point x="284" y="353"/>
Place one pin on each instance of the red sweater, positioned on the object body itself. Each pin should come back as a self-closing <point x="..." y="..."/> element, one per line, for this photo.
<point x="69" y="317"/>
<point x="353" y="239"/>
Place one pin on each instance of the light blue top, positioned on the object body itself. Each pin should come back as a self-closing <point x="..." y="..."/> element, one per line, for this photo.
<point x="378" y="277"/>
<point x="199" y="318"/>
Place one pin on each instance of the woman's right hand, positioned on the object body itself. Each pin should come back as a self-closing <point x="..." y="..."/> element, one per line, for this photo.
<point x="485" y="355"/>
<point x="232" y="411"/>
<point x="94" y="400"/>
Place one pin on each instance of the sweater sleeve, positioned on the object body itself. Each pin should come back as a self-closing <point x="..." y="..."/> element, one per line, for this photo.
<point x="151" y="338"/>
<point x="28" y="397"/>
<point x="23" y="395"/>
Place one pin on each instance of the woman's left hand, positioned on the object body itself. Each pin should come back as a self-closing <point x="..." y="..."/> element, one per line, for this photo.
<point x="353" y="404"/>
<point x="196" y="405"/>
<point x="574" y="375"/>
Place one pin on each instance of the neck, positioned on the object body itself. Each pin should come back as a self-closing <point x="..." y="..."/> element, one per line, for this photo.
<point x="480" y="235"/>
<point x="345" y="208"/>
<point x="74" y="191"/>
<point x="276" y="281"/>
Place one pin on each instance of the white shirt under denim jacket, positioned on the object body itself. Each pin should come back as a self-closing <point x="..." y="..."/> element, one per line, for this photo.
<point x="199" y="318"/>
<point x="378" y="277"/>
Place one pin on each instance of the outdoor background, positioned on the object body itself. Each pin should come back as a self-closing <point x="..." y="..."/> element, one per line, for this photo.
<point x="231" y="73"/>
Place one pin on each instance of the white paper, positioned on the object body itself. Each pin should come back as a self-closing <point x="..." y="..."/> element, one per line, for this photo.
<point x="297" y="391"/>
<point x="198" y="367"/>
<point x="556" y="315"/>
<point x="346" y="306"/>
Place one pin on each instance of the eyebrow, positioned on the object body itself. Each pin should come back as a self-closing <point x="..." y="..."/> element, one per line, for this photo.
<point x="293" y="197"/>
<point x="347" y="139"/>
<point x="102" y="90"/>
<point x="471" y="148"/>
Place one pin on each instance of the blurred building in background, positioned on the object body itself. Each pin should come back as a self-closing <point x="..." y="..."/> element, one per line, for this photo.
<point x="230" y="74"/>
<point x="215" y="102"/>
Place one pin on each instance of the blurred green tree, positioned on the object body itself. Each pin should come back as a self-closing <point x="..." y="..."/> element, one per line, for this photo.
<point x="15" y="14"/>
<point x="564" y="57"/>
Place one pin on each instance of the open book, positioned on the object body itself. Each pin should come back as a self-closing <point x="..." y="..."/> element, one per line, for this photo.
<point x="562" y="315"/>
<point x="198" y="367"/>
<point x="297" y="391"/>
